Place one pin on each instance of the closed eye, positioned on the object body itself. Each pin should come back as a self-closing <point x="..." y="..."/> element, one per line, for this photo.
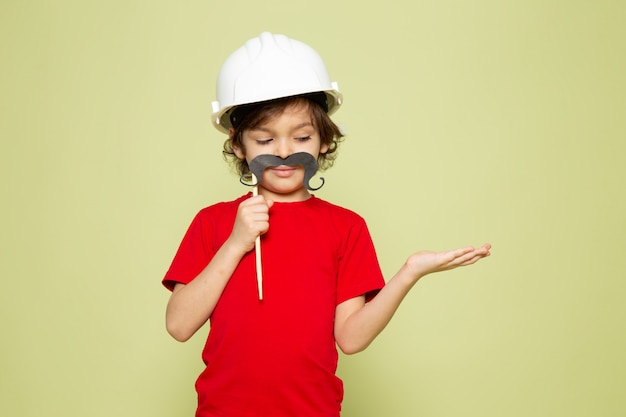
<point x="264" y="141"/>
<point x="304" y="138"/>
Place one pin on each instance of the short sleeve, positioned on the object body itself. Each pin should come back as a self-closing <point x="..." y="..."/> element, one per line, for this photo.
<point x="359" y="271"/>
<point x="194" y="253"/>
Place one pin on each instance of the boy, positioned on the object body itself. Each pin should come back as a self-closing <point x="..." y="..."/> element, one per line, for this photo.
<point x="323" y="287"/>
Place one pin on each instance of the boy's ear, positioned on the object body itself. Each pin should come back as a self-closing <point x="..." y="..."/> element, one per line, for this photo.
<point x="236" y="149"/>
<point x="324" y="148"/>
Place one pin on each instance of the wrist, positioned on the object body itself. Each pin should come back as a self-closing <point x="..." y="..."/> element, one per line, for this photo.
<point x="233" y="248"/>
<point x="410" y="275"/>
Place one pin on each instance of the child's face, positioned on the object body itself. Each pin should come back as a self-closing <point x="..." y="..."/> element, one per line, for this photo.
<point x="288" y="133"/>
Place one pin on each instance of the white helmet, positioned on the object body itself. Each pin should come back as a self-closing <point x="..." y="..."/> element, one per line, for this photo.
<point x="269" y="67"/>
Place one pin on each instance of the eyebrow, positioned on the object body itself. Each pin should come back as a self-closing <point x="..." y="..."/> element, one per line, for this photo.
<point x="300" y="126"/>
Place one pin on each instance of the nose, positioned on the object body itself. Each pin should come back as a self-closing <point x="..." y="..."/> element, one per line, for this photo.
<point x="283" y="148"/>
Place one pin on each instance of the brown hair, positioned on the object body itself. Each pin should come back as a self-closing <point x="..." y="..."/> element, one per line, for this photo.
<point x="257" y="114"/>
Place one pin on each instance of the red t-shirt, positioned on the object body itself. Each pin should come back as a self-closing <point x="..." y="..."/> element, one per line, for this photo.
<point x="277" y="357"/>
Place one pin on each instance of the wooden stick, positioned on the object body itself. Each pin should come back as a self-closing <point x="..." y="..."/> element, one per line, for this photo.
<point x="257" y="249"/>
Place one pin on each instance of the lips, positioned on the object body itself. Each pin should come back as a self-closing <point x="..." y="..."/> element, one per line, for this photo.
<point x="283" y="171"/>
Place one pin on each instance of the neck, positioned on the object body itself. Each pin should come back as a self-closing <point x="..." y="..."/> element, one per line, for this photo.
<point x="299" y="195"/>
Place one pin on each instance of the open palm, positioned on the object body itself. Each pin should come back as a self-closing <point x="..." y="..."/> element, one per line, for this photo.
<point x="426" y="262"/>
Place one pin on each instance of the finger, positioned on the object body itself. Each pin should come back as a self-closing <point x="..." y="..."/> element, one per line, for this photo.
<point x="477" y="256"/>
<point x="256" y="207"/>
<point x="454" y="255"/>
<point x="463" y="251"/>
<point x="467" y="258"/>
<point x="469" y="251"/>
<point x="450" y="256"/>
<point x="254" y="200"/>
<point x="471" y="261"/>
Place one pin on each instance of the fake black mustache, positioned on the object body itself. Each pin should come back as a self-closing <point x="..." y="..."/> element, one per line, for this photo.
<point x="304" y="159"/>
